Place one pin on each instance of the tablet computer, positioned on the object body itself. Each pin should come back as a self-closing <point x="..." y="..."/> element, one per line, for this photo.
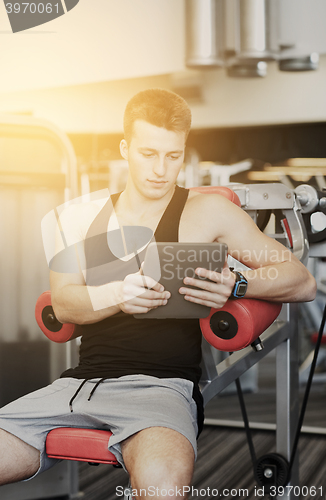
<point x="170" y="263"/>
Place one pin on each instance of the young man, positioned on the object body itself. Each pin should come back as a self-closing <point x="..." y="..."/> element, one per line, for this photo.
<point x="139" y="378"/>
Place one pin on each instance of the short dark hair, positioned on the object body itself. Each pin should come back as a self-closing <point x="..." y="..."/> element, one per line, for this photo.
<point x="159" y="107"/>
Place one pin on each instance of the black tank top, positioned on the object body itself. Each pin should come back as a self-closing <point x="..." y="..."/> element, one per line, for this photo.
<point x="121" y="344"/>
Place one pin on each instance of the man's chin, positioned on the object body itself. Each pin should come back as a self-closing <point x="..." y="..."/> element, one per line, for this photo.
<point x="157" y="190"/>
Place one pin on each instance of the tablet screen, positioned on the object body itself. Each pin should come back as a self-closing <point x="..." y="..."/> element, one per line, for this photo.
<point x="170" y="263"/>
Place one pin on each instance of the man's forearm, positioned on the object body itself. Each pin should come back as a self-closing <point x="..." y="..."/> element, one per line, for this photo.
<point x="82" y="304"/>
<point x="284" y="282"/>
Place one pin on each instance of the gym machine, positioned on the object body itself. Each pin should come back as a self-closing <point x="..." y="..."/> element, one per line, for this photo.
<point x="292" y="211"/>
<point x="37" y="171"/>
<point x="260" y="201"/>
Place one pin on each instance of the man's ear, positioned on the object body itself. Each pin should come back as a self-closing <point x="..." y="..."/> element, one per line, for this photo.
<point x="124" y="149"/>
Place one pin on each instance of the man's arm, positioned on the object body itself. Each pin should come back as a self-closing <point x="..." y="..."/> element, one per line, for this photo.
<point x="71" y="300"/>
<point x="276" y="274"/>
<point x="74" y="302"/>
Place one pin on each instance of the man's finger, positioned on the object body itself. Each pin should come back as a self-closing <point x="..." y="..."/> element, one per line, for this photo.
<point x="146" y="281"/>
<point x="226" y="273"/>
<point x="207" y="273"/>
<point x="225" y="265"/>
<point x="152" y="284"/>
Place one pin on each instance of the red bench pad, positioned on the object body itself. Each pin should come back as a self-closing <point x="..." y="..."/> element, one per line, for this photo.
<point x="84" y="445"/>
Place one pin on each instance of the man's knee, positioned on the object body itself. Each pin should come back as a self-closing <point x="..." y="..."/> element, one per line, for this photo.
<point x="160" y="461"/>
<point x="162" y="479"/>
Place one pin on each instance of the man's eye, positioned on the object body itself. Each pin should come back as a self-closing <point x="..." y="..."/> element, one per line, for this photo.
<point x="174" y="157"/>
<point x="148" y="155"/>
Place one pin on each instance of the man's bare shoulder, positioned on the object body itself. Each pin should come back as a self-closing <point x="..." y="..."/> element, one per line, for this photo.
<point x="213" y="216"/>
<point x="204" y="202"/>
<point x="201" y="219"/>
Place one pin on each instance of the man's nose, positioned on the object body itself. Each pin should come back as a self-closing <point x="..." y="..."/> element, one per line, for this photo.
<point x="159" y="166"/>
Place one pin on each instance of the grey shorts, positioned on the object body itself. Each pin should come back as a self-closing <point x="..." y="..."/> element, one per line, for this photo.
<point x="123" y="405"/>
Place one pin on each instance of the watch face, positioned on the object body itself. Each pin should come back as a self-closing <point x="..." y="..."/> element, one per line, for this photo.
<point x="241" y="289"/>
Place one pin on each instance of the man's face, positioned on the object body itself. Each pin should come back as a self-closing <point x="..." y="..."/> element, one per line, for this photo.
<point x="155" y="156"/>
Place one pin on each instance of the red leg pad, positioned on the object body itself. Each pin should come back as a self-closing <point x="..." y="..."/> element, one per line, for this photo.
<point x="83" y="445"/>
<point x="50" y="326"/>
<point x="238" y="323"/>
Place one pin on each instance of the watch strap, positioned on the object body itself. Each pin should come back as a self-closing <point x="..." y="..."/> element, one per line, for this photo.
<point x="240" y="285"/>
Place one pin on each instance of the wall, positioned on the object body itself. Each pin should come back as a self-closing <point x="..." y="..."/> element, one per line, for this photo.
<point x="92" y="60"/>
<point x="278" y="98"/>
<point x="98" y="40"/>
<point x="281" y="97"/>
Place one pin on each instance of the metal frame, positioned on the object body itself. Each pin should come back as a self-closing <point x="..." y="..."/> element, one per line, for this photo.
<point x="34" y="128"/>
<point x="282" y="336"/>
<point x="64" y="478"/>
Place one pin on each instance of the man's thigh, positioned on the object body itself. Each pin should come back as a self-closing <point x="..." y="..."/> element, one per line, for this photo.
<point x="18" y="460"/>
<point x="158" y="458"/>
<point x="30" y="418"/>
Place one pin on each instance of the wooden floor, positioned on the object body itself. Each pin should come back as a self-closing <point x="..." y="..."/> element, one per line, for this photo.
<point x="223" y="455"/>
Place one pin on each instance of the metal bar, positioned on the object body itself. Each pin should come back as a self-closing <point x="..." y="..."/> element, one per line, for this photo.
<point x="239" y="362"/>
<point x="208" y="365"/>
<point x="287" y="396"/>
<point x="30" y="127"/>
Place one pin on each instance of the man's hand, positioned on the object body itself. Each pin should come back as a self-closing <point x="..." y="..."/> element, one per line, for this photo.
<point x="213" y="293"/>
<point x="139" y="294"/>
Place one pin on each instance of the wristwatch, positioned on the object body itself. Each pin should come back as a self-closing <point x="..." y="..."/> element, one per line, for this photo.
<point x="240" y="285"/>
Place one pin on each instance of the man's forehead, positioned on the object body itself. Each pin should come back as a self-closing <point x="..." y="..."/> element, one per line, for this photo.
<point x="146" y="132"/>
